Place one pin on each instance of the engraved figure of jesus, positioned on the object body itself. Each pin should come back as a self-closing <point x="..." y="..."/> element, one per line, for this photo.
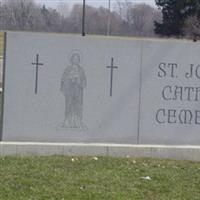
<point x="73" y="83"/>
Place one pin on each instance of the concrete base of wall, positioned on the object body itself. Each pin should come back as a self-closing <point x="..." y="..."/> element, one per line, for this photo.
<point x="116" y="150"/>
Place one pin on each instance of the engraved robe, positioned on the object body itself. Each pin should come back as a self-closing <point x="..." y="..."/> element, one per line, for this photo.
<point x="73" y="82"/>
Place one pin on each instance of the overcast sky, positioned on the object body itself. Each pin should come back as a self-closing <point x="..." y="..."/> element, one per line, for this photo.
<point x="96" y="3"/>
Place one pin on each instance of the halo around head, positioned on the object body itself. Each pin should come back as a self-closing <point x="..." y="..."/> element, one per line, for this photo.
<point x="75" y="52"/>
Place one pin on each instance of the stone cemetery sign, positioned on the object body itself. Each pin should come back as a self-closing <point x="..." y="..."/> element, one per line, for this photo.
<point x="62" y="88"/>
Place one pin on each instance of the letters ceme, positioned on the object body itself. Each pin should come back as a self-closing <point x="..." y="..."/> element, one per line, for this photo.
<point x="174" y="116"/>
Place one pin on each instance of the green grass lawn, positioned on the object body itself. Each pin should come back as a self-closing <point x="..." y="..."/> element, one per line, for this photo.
<point x="61" y="178"/>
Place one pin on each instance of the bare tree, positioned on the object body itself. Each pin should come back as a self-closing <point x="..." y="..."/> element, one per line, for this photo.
<point x="138" y="19"/>
<point x="63" y="9"/>
<point x="125" y="19"/>
<point x="75" y="18"/>
<point x="52" y="19"/>
<point x="27" y="15"/>
<point x="20" y="15"/>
